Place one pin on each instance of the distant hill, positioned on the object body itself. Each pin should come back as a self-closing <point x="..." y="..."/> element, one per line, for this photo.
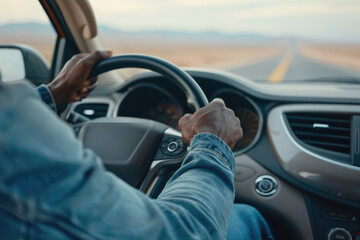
<point x="29" y="27"/>
<point x="106" y="31"/>
<point x="208" y="36"/>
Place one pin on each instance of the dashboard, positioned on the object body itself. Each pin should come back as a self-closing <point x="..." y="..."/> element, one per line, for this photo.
<point x="154" y="101"/>
<point x="297" y="141"/>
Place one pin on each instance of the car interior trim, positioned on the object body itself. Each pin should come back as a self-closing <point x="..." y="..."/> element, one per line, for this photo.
<point x="287" y="204"/>
<point x="150" y="183"/>
<point x="307" y="166"/>
<point x="94" y="100"/>
<point x="59" y="56"/>
<point x="340" y="93"/>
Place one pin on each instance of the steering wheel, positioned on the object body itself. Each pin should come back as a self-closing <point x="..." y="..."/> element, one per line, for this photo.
<point x="130" y="147"/>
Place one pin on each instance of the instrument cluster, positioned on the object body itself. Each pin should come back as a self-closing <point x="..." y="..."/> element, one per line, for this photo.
<point x="153" y="102"/>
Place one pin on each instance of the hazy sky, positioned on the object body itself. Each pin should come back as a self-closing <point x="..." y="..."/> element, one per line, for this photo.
<point x="319" y="19"/>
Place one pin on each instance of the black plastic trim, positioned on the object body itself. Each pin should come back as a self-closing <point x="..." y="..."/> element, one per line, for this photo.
<point x="127" y="157"/>
<point x="164" y="166"/>
<point x="341" y="157"/>
<point x="355" y="140"/>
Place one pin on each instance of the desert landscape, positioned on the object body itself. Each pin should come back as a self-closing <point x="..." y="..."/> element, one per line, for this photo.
<point x="186" y="54"/>
<point x="43" y="43"/>
<point x="255" y="57"/>
<point x="338" y="54"/>
<point x="182" y="54"/>
<point x="206" y="55"/>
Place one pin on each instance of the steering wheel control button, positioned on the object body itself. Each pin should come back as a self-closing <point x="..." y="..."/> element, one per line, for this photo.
<point x="266" y="185"/>
<point x="172" y="146"/>
<point x="339" y="234"/>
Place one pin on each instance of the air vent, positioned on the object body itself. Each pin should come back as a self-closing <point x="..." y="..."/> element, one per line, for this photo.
<point x="92" y="110"/>
<point x="329" y="131"/>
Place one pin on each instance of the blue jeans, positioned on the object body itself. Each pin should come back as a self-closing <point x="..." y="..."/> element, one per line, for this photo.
<point x="247" y="223"/>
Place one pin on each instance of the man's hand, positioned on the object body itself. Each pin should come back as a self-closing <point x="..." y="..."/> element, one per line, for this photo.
<point x="72" y="84"/>
<point x="215" y="118"/>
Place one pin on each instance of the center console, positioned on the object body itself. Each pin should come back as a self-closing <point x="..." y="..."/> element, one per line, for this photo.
<point x="333" y="222"/>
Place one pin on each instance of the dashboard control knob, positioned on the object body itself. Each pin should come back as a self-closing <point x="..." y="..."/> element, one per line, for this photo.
<point x="339" y="234"/>
<point x="266" y="185"/>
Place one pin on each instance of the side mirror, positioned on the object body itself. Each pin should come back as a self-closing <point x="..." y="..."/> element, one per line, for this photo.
<point x="20" y="62"/>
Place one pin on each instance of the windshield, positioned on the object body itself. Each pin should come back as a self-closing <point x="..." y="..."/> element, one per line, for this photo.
<point x="263" y="40"/>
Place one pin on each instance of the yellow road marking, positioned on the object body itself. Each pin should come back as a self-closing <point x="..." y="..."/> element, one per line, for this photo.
<point x="277" y="75"/>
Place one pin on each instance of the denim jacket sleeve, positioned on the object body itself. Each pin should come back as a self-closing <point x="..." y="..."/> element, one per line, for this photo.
<point x="54" y="188"/>
<point x="47" y="98"/>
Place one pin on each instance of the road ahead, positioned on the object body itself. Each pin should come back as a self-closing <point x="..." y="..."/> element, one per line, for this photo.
<point x="292" y="65"/>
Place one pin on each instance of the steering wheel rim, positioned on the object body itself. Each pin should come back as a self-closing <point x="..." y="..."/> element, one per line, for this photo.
<point x="194" y="93"/>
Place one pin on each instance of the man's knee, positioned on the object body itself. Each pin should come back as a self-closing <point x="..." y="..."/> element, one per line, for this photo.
<point x="246" y="211"/>
<point x="248" y="216"/>
<point x="246" y="222"/>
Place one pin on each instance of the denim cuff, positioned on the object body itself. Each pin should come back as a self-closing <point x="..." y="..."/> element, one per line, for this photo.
<point x="47" y="98"/>
<point x="211" y="143"/>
